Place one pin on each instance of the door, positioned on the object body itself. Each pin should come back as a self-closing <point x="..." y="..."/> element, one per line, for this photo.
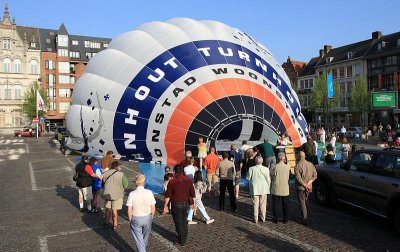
<point x="383" y="181"/>
<point x="351" y="180"/>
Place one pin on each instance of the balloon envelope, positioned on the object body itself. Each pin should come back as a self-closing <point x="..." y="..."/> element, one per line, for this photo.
<point x="157" y="89"/>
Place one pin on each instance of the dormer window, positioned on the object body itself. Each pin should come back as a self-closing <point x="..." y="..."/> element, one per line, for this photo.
<point x="398" y="42"/>
<point x="379" y="46"/>
<point x="62" y="40"/>
<point x="329" y="59"/>
<point x="350" y="55"/>
<point x="33" y="44"/>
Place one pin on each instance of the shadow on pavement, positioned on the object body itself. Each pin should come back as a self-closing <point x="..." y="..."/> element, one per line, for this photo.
<point x="68" y="193"/>
<point x="269" y="242"/>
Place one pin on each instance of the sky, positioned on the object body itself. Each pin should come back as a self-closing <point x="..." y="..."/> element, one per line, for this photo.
<point x="286" y="27"/>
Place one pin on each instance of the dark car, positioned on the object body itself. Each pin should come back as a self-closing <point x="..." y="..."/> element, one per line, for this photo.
<point x="370" y="180"/>
<point x="27" y="132"/>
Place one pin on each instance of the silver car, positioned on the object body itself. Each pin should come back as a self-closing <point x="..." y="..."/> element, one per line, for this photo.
<point x="370" y="180"/>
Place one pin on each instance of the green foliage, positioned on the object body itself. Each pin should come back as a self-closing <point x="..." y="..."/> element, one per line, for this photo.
<point x="360" y="97"/>
<point x="29" y="102"/>
<point x="320" y="98"/>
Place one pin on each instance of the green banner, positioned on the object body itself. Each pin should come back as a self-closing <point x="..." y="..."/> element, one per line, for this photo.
<point x="384" y="100"/>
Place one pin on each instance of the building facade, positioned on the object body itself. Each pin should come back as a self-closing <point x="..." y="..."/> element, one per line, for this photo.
<point x="293" y="69"/>
<point x="63" y="60"/>
<point x="383" y="64"/>
<point x="19" y="69"/>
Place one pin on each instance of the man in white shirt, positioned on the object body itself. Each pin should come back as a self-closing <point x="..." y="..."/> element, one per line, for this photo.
<point x="141" y="209"/>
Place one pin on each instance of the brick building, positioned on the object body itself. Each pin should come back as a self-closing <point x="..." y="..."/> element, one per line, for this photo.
<point x="63" y="60"/>
<point x="293" y="69"/>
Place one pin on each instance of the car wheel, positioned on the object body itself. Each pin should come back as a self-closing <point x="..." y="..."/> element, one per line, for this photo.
<point x="19" y="135"/>
<point x="322" y="193"/>
<point x="397" y="218"/>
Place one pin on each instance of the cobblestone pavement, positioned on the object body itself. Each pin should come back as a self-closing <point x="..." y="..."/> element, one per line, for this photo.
<point x="39" y="212"/>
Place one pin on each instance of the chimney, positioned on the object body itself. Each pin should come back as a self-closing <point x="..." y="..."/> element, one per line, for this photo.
<point x="376" y="35"/>
<point x="327" y="48"/>
<point x="288" y="59"/>
<point x="321" y="53"/>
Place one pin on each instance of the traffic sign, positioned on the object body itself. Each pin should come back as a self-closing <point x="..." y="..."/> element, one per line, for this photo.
<point x="41" y="119"/>
<point x="35" y="120"/>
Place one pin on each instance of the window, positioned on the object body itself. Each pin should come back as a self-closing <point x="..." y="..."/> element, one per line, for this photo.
<point x="105" y="45"/>
<point x="357" y="69"/>
<point x="384" y="165"/>
<point x="7" y="44"/>
<point x="48" y="41"/>
<point x="311" y="83"/>
<point x="349" y="87"/>
<point x="87" y="44"/>
<point x="64" y="106"/>
<point x="73" y="54"/>
<point x="33" y="44"/>
<point x="349" y="71"/>
<point x="16" y="117"/>
<point x="17" y="90"/>
<point x="17" y="65"/>
<point x="63" y="79"/>
<point x="342" y="101"/>
<point x="50" y="80"/>
<point x="49" y="64"/>
<point x="63" y="67"/>
<point x="341" y="72"/>
<point x="334" y="73"/>
<point x="302" y="84"/>
<point x="360" y="162"/>
<point x="34" y="66"/>
<point x="387" y="82"/>
<point x="62" y="52"/>
<point x="94" y="44"/>
<point x="51" y="93"/>
<point x="6" y="65"/>
<point x="72" y="80"/>
<point x="305" y="83"/>
<point x="65" y="92"/>
<point x="62" y="40"/>
<point x="75" y="42"/>
<point x="7" y="92"/>
<point x="349" y="55"/>
<point x="342" y="87"/>
<point x="396" y="168"/>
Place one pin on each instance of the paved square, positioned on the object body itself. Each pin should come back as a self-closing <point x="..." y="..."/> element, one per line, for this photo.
<point x="39" y="212"/>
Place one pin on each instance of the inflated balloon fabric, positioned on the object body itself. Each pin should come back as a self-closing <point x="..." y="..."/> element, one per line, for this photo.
<point x="157" y="89"/>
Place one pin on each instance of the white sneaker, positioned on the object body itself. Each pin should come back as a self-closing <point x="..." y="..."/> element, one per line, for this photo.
<point x="210" y="221"/>
<point x="192" y="222"/>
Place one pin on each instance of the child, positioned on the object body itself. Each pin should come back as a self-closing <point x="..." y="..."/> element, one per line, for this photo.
<point x="167" y="177"/>
<point x="200" y="187"/>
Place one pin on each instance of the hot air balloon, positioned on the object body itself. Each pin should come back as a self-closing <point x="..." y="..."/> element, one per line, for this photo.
<point x="157" y="89"/>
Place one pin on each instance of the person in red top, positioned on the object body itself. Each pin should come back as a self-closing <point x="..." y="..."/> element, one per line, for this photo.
<point x="210" y="164"/>
<point x="180" y="192"/>
<point x="84" y="184"/>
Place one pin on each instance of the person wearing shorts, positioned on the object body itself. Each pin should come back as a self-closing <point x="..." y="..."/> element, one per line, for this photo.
<point x="210" y="164"/>
<point x="84" y="184"/>
<point x="115" y="183"/>
<point x="202" y="147"/>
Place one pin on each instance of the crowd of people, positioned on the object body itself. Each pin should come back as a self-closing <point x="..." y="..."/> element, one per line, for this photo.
<point x="101" y="185"/>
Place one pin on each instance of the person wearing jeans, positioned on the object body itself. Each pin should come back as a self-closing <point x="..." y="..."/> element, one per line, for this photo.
<point x="180" y="192"/>
<point x="141" y="209"/>
<point x="200" y="188"/>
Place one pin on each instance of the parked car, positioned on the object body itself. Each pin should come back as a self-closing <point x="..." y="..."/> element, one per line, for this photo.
<point x="26" y="132"/>
<point x="370" y="180"/>
<point x="352" y="132"/>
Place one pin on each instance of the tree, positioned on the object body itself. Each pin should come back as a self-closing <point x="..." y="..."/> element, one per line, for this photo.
<point x="360" y="98"/>
<point x="320" y="98"/>
<point x="29" y="102"/>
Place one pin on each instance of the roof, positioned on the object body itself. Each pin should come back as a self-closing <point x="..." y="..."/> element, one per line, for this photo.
<point x="390" y="47"/>
<point x="309" y="69"/>
<point x="48" y="43"/>
<point x="62" y="30"/>
<point x="298" y="65"/>
<point x="339" y="54"/>
<point x="31" y="34"/>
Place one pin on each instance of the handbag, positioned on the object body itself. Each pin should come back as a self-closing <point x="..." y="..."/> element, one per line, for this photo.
<point x="75" y="177"/>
